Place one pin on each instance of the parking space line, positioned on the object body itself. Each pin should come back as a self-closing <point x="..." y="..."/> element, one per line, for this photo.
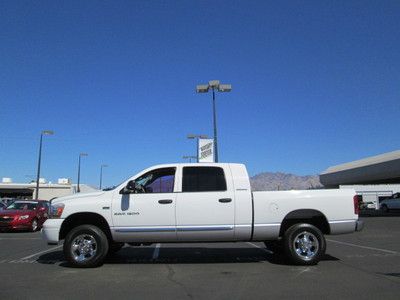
<point x="156" y="251"/>
<point x="261" y="248"/>
<point x="363" y="247"/>
<point x="42" y="252"/>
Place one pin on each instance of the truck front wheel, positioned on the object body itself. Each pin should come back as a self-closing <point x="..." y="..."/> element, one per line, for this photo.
<point x="85" y="246"/>
<point x="304" y="244"/>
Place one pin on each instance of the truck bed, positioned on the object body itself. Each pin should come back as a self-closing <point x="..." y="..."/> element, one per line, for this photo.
<point x="270" y="208"/>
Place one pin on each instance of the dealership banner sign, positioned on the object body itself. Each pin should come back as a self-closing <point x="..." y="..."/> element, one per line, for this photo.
<point x="206" y="150"/>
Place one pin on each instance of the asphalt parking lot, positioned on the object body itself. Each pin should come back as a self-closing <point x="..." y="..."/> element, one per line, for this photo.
<point x="362" y="265"/>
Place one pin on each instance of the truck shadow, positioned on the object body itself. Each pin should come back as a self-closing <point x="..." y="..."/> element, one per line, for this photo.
<point x="178" y="255"/>
<point x="378" y="213"/>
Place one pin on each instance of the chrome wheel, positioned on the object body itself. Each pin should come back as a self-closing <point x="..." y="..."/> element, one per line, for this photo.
<point x="83" y="248"/>
<point x="34" y="225"/>
<point x="306" y="245"/>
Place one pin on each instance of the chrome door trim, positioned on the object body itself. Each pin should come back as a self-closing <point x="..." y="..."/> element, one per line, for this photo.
<point x="205" y="228"/>
<point x="143" y="229"/>
<point x="171" y="229"/>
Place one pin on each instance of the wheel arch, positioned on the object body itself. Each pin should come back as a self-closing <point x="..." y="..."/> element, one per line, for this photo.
<point x="309" y="216"/>
<point x="85" y="218"/>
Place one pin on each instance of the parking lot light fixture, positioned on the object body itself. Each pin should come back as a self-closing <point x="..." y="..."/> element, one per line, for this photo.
<point x="189" y="157"/>
<point x="214" y="85"/>
<point x="202" y="88"/>
<point x="44" y="132"/>
<point x="225" y="88"/>
<point x="197" y="136"/>
<point x="101" y="174"/>
<point x="78" y="190"/>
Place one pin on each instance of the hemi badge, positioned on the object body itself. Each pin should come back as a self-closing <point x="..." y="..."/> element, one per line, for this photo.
<point x="106" y="207"/>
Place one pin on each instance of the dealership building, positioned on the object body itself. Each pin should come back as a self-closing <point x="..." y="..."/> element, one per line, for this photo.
<point x="47" y="190"/>
<point x="374" y="178"/>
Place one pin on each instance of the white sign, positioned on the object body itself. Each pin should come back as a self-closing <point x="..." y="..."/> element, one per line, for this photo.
<point x="206" y="150"/>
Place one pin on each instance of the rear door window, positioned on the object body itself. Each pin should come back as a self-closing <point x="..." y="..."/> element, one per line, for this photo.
<point x="203" y="179"/>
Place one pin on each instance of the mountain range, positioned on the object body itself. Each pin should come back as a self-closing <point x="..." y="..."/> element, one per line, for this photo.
<point x="268" y="181"/>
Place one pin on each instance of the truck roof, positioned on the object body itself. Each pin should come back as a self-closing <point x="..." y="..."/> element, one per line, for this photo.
<point x="194" y="165"/>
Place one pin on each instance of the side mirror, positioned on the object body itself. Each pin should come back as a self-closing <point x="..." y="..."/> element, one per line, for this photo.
<point x="129" y="189"/>
<point x="131" y="185"/>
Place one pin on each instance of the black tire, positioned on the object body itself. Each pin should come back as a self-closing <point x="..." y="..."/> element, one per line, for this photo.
<point x="384" y="208"/>
<point x="114" y="248"/>
<point x="304" y="244"/>
<point x="85" y="246"/>
<point x="34" y="225"/>
<point x="275" y="246"/>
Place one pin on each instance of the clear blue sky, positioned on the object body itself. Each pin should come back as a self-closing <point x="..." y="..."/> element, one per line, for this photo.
<point x="315" y="83"/>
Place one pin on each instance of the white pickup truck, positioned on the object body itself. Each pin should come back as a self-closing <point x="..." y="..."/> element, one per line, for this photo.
<point x="198" y="203"/>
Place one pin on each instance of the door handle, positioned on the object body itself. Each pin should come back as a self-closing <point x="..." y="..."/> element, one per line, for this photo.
<point x="225" y="200"/>
<point x="166" y="201"/>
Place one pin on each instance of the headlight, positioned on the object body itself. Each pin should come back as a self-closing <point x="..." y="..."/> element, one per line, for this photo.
<point x="56" y="210"/>
<point x="24" y="217"/>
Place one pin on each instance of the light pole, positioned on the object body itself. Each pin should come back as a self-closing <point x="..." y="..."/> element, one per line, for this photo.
<point x="44" y="132"/>
<point x="215" y="86"/>
<point x="101" y="174"/>
<point x="79" y="170"/>
<point x="197" y="136"/>
<point x="189" y="157"/>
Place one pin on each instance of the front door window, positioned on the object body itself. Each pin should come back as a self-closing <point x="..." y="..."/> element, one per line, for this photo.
<point x="156" y="181"/>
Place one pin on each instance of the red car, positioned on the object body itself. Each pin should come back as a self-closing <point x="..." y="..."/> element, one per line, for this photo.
<point x="24" y="215"/>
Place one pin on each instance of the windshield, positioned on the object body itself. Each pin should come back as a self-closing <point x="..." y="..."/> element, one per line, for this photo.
<point x="22" y="206"/>
<point x="113" y="187"/>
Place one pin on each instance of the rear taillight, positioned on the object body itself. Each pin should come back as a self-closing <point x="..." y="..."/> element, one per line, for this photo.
<point x="356" y="200"/>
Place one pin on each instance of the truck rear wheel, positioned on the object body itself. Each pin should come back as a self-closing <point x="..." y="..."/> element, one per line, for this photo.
<point x="85" y="246"/>
<point x="304" y="244"/>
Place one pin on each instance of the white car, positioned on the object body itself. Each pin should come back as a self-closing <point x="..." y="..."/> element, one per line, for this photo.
<point x="198" y="203"/>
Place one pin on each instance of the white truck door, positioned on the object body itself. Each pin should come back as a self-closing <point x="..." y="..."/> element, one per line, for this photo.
<point x="205" y="208"/>
<point x="148" y="213"/>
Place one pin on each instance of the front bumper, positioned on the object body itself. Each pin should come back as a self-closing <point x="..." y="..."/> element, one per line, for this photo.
<point x="51" y="230"/>
<point x="359" y="225"/>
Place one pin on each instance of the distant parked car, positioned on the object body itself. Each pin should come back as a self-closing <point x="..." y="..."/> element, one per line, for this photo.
<point x="24" y="215"/>
<point x="390" y="204"/>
